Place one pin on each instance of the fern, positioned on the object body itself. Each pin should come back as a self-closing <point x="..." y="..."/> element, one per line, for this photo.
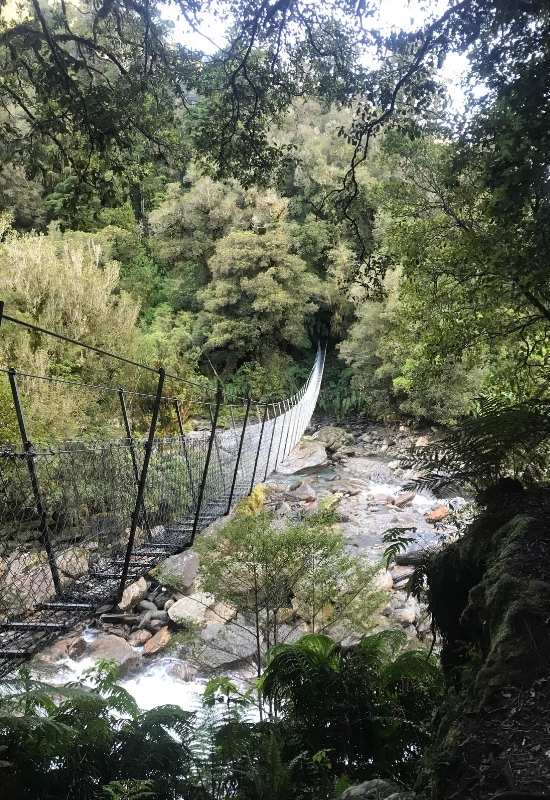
<point x="397" y="542"/>
<point x="130" y="790"/>
<point x="501" y="441"/>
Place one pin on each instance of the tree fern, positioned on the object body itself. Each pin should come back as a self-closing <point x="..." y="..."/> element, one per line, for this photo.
<point x="500" y="441"/>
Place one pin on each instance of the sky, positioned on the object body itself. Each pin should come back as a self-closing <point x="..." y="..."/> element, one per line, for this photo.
<point x="392" y="15"/>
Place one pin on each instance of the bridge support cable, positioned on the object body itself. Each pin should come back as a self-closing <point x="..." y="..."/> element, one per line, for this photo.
<point x="80" y="520"/>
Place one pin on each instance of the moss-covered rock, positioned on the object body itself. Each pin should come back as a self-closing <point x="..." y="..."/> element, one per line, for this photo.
<point x="490" y="597"/>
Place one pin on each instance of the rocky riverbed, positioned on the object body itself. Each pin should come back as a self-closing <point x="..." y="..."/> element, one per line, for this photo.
<point x="168" y="636"/>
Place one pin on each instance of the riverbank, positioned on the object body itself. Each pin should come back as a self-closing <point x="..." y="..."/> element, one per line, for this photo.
<point x="169" y="633"/>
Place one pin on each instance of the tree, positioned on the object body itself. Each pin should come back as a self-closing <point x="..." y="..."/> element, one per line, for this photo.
<point x="189" y="222"/>
<point x="259" y="297"/>
<point x="63" y="283"/>
<point x="278" y="577"/>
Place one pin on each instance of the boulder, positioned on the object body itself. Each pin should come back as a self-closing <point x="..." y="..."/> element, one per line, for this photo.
<point x="68" y="647"/>
<point x="221" y="612"/>
<point x="138" y="638"/>
<point x="181" y="671"/>
<point x="437" y="514"/>
<point x="422" y="441"/>
<point x="133" y="594"/>
<point x="182" y="566"/>
<point x="223" y="645"/>
<point x="376" y="789"/>
<point x="157" y="642"/>
<point x="333" y="438"/>
<point x="407" y="613"/>
<point x="113" y="648"/>
<point x="304" y="492"/>
<point x="192" y="608"/>
<point x="383" y="581"/>
<point x="147" y="605"/>
<point x="307" y="456"/>
<point x="403" y="499"/>
<point x="73" y="563"/>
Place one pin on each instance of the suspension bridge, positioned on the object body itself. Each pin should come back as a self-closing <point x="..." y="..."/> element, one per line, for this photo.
<point x="81" y="520"/>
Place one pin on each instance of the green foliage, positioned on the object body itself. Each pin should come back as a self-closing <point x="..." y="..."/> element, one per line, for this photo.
<point x="396" y="542"/>
<point x="271" y="573"/>
<point x="89" y="742"/>
<point x="259" y="297"/>
<point x="366" y="707"/>
<point x="501" y="441"/>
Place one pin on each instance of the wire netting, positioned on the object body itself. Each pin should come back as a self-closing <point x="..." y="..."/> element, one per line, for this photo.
<point x="73" y="533"/>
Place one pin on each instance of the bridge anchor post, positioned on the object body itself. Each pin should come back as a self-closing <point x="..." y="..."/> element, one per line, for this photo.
<point x="38" y="499"/>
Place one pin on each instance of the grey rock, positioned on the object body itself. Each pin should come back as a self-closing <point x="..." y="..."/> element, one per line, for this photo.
<point x="147" y="605"/>
<point x="402" y="796"/>
<point x="181" y="671"/>
<point x="191" y="609"/>
<point x="223" y="645"/>
<point x="160" y="600"/>
<point x="376" y="789"/>
<point x="183" y="566"/>
<point x="309" y="455"/>
<point x="334" y="438"/>
<point x="162" y="615"/>
<point x="113" y="648"/>
<point x="305" y="492"/>
<point x="133" y="594"/>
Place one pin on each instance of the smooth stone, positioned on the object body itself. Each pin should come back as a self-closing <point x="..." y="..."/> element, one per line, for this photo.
<point x="437" y="514"/>
<point x="159" y="641"/>
<point x="181" y="671"/>
<point x="333" y="437"/>
<point x="376" y="789"/>
<point x="307" y="456"/>
<point x="68" y="647"/>
<point x="224" y="645"/>
<point x="192" y="608"/>
<point x="133" y="594"/>
<point x="148" y="605"/>
<point x="113" y="648"/>
<point x="138" y="638"/>
<point x="182" y="566"/>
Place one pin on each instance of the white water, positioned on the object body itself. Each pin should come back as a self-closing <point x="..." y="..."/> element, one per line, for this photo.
<point x="153" y="685"/>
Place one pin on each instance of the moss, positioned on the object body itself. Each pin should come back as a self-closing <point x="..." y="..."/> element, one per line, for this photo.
<point x="490" y="597"/>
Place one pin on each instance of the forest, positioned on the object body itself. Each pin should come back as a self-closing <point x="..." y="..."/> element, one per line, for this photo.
<point x="216" y="187"/>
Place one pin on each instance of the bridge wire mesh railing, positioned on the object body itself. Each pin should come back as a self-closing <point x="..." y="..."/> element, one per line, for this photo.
<point x="73" y="529"/>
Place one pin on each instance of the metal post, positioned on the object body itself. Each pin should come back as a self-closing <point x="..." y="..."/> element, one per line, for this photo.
<point x="217" y="447"/>
<point x="290" y="420"/>
<point x="184" y="447"/>
<point x="270" y="445"/>
<point x="259" y="447"/>
<point x="295" y="412"/>
<point x="141" y="484"/>
<point x="281" y="436"/>
<point x="39" y="503"/>
<point x="207" y="461"/>
<point x="130" y="438"/>
<point x="239" y="451"/>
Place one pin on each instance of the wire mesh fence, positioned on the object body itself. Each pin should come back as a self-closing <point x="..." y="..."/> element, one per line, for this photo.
<point x="82" y="519"/>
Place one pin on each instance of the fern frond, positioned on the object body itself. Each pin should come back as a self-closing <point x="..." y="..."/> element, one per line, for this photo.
<point x="500" y="441"/>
